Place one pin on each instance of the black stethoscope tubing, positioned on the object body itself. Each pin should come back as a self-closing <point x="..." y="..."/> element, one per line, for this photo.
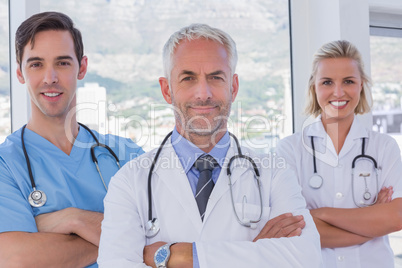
<point x="153" y="223"/>
<point x="362" y="155"/>
<point x="93" y="157"/>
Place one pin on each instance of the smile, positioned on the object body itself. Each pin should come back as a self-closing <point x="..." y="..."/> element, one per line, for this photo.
<point x="53" y="94"/>
<point x="338" y="103"/>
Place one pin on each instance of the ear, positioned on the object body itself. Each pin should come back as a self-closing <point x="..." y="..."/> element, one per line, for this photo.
<point x="164" y="83"/>
<point x="19" y="75"/>
<point x="235" y="86"/>
<point x="83" y="68"/>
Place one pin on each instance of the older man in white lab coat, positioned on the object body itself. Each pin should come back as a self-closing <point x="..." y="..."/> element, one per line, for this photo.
<point x="200" y="220"/>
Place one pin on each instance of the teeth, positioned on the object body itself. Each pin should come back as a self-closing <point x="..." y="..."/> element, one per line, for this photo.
<point x="338" y="103"/>
<point x="51" y="94"/>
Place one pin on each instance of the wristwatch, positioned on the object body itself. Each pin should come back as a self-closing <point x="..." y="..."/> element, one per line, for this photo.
<point x="162" y="255"/>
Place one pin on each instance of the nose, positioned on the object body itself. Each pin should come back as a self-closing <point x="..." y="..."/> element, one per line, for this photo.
<point x="338" y="90"/>
<point x="203" y="90"/>
<point x="50" y="76"/>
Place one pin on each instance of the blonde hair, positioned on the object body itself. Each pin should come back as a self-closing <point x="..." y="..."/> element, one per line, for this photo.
<point x="338" y="49"/>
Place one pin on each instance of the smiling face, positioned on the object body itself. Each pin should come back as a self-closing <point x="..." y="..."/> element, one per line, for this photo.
<point x="202" y="87"/>
<point x="338" y="85"/>
<point x="50" y="70"/>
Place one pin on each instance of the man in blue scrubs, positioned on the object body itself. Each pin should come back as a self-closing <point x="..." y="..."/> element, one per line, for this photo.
<point x="65" y="230"/>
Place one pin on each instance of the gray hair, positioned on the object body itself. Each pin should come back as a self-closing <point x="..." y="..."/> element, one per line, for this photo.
<point x="198" y="31"/>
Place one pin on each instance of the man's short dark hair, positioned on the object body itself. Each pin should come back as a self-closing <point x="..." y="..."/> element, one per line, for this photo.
<point x="44" y="22"/>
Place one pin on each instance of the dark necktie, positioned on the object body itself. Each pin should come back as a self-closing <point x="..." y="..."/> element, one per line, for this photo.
<point x="205" y="164"/>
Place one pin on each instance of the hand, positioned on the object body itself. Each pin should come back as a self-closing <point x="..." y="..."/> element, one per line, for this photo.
<point x="181" y="254"/>
<point x="285" y="225"/>
<point x="385" y="195"/>
<point x="86" y="224"/>
<point x="149" y="253"/>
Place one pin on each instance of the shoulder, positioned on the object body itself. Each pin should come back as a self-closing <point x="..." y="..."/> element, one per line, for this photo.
<point x="114" y="141"/>
<point x="142" y="162"/>
<point x="381" y="142"/>
<point x="289" y="144"/>
<point x="11" y="144"/>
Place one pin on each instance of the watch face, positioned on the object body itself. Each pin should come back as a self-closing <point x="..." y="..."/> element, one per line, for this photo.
<point x="161" y="255"/>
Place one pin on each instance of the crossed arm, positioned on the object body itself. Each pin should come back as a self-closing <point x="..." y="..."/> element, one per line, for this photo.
<point x="66" y="238"/>
<point x="285" y="225"/>
<point x="340" y="227"/>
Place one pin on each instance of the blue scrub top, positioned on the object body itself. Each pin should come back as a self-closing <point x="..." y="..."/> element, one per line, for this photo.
<point x="67" y="180"/>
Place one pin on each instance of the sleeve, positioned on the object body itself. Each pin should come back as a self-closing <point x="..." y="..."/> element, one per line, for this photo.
<point x="122" y="238"/>
<point x="13" y="204"/>
<point x="300" y="251"/>
<point x="285" y="152"/>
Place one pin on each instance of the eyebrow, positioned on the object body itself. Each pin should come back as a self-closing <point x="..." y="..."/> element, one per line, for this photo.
<point x="218" y="73"/>
<point x="42" y="59"/>
<point x="186" y="72"/>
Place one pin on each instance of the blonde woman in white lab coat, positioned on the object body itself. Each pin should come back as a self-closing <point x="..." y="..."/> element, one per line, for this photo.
<point x="353" y="212"/>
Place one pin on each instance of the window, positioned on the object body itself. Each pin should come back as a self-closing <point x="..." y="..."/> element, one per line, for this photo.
<point x="386" y="74"/>
<point x="5" y="121"/>
<point x="124" y="39"/>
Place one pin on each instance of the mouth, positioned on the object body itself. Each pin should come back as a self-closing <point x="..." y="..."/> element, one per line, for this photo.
<point x="51" y="94"/>
<point x="203" y="109"/>
<point x="338" y="104"/>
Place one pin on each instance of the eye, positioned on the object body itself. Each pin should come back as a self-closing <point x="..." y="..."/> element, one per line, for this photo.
<point x="187" y="78"/>
<point x="349" y="81"/>
<point x="215" y="77"/>
<point x="327" y="82"/>
<point x="35" y="65"/>
<point x="64" y="63"/>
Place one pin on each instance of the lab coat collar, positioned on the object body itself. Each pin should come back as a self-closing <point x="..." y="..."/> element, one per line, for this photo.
<point x="314" y="127"/>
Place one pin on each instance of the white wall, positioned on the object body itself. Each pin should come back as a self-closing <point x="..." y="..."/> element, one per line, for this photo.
<point x="315" y="22"/>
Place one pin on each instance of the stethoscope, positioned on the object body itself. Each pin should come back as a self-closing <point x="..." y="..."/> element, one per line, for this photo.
<point x="38" y="198"/>
<point x="316" y="180"/>
<point x="153" y="225"/>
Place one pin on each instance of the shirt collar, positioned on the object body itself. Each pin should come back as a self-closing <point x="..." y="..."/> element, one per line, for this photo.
<point x="188" y="152"/>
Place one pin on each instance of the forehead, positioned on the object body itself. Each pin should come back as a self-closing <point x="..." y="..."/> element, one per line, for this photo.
<point x="200" y="53"/>
<point x="50" y="43"/>
<point x="338" y="66"/>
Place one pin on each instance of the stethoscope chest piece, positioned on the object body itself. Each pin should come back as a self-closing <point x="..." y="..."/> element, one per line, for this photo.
<point x="152" y="228"/>
<point x="315" y="181"/>
<point x="367" y="196"/>
<point x="37" y="198"/>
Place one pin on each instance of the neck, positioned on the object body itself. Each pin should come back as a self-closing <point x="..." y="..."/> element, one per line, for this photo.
<point x="56" y="131"/>
<point x="205" y="142"/>
<point x="337" y="130"/>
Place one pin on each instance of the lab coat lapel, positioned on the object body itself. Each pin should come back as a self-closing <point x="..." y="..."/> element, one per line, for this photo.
<point x="170" y="172"/>
<point x="357" y="131"/>
<point x="221" y="187"/>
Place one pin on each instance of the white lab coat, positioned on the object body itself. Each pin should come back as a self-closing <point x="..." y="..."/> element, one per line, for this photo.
<point x="220" y="240"/>
<point x="336" y="190"/>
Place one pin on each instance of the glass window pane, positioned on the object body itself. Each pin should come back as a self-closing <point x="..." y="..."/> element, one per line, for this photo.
<point x="124" y="41"/>
<point x="386" y="73"/>
<point x="5" y="120"/>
